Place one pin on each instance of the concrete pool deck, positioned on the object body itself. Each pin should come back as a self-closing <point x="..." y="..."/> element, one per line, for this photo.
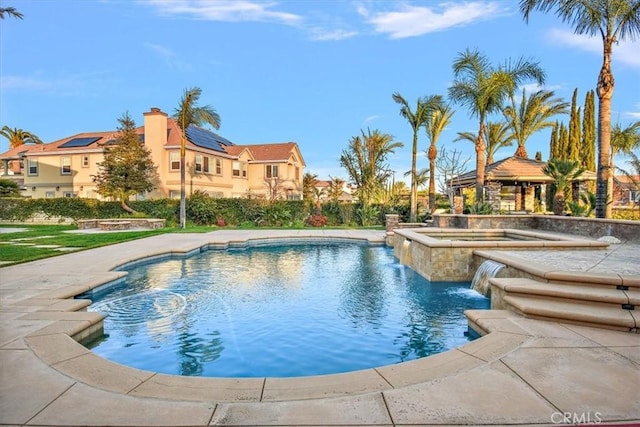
<point x="523" y="372"/>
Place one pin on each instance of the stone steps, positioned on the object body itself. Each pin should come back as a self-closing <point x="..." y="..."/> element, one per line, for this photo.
<point x="591" y="304"/>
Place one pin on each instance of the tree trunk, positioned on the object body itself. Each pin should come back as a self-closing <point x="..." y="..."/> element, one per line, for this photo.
<point x="480" y="164"/>
<point x="433" y="153"/>
<point x="605" y="93"/>
<point x="521" y="152"/>
<point x="414" y="185"/>
<point x="123" y="204"/>
<point x="558" y="203"/>
<point x="183" y="201"/>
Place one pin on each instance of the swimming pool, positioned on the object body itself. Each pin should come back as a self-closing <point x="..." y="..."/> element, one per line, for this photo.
<point x="280" y="311"/>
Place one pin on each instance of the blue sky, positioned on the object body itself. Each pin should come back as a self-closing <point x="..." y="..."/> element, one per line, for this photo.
<point x="313" y="72"/>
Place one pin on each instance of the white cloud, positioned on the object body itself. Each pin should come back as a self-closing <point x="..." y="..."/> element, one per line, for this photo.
<point x="625" y="52"/>
<point x="370" y="119"/>
<point x="225" y="10"/>
<point x="168" y="56"/>
<point x="321" y="34"/>
<point x="69" y="85"/>
<point x="412" y="21"/>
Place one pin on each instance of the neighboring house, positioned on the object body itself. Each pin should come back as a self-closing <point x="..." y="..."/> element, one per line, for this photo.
<point x="215" y="165"/>
<point x="626" y="191"/>
<point x="323" y="189"/>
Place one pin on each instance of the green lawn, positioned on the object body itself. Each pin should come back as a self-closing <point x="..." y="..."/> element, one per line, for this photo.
<point x="21" y="247"/>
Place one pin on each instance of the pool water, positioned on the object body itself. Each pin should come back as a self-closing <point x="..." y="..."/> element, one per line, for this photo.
<point x="280" y="311"/>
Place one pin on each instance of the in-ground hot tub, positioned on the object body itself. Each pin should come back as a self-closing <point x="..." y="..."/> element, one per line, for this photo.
<point x="447" y="253"/>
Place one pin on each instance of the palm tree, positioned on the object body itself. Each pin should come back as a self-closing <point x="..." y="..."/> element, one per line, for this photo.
<point x="622" y="141"/>
<point x="416" y="119"/>
<point x="633" y="176"/>
<point x="365" y="162"/>
<point x="189" y="113"/>
<point x="309" y="182"/>
<point x="613" y="21"/>
<point x="533" y="115"/>
<point x="563" y="172"/>
<point x="496" y="135"/>
<point x="10" y="11"/>
<point x="17" y="137"/>
<point x="437" y="121"/>
<point x="482" y="88"/>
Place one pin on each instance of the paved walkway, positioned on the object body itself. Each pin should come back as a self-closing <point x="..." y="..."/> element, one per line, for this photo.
<point x="523" y="372"/>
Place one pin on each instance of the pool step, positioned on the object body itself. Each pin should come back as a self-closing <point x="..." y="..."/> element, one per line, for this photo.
<point x="586" y="304"/>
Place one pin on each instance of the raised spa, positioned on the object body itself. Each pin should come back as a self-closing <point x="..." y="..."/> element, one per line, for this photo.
<point x="447" y="254"/>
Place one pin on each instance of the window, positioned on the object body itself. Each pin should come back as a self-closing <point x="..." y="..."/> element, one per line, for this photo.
<point x="174" y="194"/>
<point x="85" y="161"/>
<point x="33" y="167"/>
<point x="634" y="196"/>
<point x="297" y="173"/>
<point x="239" y="168"/>
<point x="65" y="165"/>
<point x="202" y="163"/>
<point x="219" y="167"/>
<point x="68" y="194"/>
<point x="49" y="194"/>
<point x="272" y="171"/>
<point x="174" y="160"/>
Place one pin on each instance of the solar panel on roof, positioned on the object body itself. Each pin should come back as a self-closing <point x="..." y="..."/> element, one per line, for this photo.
<point x="80" y="142"/>
<point x="206" y="139"/>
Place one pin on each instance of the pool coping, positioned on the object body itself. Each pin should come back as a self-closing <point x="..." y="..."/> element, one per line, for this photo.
<point x="46" y="320"/>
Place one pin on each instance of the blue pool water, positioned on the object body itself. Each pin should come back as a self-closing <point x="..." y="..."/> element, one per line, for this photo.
<point x="280" y="311"/>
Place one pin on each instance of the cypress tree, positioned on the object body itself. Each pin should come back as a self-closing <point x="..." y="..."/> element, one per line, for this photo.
<point x="563" y="142"/>
<point x="573" y="149"/>
<point x="588" y="145"/>
<point x="553" y="143"/>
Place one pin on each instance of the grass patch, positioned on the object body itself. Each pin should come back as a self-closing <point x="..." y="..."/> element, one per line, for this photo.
<point x="27" y="241"/>
<point x="33" y="235"/>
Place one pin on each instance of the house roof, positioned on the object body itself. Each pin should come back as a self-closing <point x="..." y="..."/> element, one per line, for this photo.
<point x="514" y="169"/>
<point x="277" y="152"/>
<point x="197" y="137"/>
<point x="625" y="182"/>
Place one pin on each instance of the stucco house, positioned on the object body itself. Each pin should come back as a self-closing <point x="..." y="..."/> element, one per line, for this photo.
<point x="215" y="165"/>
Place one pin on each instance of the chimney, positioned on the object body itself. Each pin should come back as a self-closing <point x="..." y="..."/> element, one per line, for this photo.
<point x="155" y="129"/>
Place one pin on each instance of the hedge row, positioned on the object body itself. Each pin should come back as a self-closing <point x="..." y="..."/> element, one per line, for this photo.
<point x="201" y="210"/>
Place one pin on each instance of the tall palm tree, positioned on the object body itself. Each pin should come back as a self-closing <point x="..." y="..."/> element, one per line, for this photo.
<point x="563" y="172"/>
<point x="437" y="121"/>
<point x="613" y="21"/>
<point x="496" y="135"/>
<point x="190" y="113"/>
<point x="365" y="162"/>
<point x="17" y="137"/>
<point x="416" y="119"/>
<point x="10" y="11"/>
<point x="482" y="88"/>
<point x="533" y="114"/>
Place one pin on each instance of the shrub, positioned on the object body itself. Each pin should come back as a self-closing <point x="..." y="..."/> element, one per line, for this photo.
<point x="9" y="188"/>
<point x="317" y="220"/>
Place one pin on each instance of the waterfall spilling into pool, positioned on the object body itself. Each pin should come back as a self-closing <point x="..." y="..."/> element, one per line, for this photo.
<point x="486" y="271"/>
<point x="405" y="253"/>
<point x="294" y="309"/>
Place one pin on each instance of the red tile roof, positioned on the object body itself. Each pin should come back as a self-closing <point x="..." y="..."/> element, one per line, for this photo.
<point x="515" y="169"/>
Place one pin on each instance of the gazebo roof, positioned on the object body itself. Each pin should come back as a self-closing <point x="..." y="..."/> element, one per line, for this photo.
<point x="514" y="169"/>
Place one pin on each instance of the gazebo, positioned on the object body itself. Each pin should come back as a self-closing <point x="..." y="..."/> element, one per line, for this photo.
<point x="510" y="183"/>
